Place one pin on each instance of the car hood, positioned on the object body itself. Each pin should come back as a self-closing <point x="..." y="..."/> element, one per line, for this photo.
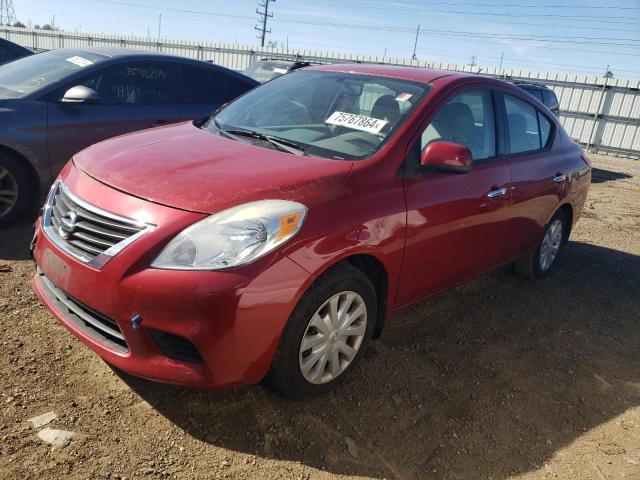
<point x="184" y="167"/>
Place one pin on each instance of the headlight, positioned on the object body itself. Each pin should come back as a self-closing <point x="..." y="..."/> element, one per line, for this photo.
<point x="233" y="237"/>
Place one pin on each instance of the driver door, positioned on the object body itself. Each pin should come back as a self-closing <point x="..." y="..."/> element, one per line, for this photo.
<point x="133" y="96"/>
<point x="456" y="222"/>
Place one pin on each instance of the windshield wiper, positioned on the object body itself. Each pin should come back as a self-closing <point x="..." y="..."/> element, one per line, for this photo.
<point x="279" y="143"/>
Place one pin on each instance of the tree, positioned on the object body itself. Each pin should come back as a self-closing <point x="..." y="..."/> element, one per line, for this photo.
<point x="19" y="25"/>
<point x="609" y="74"/>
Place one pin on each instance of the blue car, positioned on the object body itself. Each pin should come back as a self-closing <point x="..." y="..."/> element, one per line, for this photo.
<point x="54" y="104"/>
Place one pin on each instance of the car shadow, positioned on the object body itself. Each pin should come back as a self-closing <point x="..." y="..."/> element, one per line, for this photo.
<point x="15" y="240"/>
<point x="599" y="175"/>
<point x="486" y="381"/>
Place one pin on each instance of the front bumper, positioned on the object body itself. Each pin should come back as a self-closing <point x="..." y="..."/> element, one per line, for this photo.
<point x="233" y="318"/>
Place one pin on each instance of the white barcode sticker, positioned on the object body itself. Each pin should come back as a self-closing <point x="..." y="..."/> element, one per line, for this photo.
<point x="403" y="97"/>
<point x="280" y="70"/>
<point x="356" y="122"/>
<point x="79" y="61"/>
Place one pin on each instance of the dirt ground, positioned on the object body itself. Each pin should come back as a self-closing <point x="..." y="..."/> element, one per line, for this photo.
<point x="500" y="379"/>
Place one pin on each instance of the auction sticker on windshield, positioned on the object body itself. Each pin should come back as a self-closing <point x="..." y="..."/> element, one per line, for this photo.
<point x="79" y="61"/>
<point x="356" y="122"/>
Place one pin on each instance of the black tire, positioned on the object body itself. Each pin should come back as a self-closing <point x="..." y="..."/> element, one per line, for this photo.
<point x="285" y="375"/>
<point x="15" y="176"/>
<point x="528" y="266"/>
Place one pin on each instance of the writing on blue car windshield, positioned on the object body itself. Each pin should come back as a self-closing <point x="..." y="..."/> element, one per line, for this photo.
<point x="325" y="114"/>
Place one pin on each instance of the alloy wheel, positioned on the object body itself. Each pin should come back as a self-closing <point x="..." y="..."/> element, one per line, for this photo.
<point x="550" y="245"/>
<point x="8" y="191"/>
<point x="333" y="337"/>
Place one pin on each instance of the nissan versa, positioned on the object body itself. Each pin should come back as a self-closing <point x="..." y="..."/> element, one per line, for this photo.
<point x="275" y="237"/>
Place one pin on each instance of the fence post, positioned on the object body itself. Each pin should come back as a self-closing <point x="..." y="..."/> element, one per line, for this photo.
<point x="596" y="116"/>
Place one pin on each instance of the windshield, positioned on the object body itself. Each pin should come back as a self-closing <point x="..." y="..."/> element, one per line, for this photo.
<point x="326" y="114"/>
<point x="265" y="71"/>
<point x="27" y="75"/>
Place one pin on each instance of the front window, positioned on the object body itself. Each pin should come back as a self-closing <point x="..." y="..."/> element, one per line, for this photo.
<point x="30" y="74"/>
<point x="467" y="119"/>
<point x="326" y="114"/>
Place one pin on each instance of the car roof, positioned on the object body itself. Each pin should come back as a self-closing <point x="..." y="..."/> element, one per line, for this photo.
<point x="522" y="84"/>
<point x="416" y="74"/>
<point x="116" y="52"/>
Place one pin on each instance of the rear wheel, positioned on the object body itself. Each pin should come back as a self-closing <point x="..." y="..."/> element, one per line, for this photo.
<point x="539" y="261"/>
<point x="15" y="189"/>
<point x="326" y="335"/>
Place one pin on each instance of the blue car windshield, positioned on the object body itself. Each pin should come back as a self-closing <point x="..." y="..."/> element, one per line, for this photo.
<point x="27" y="75"/>
<point x="326" y="114"/>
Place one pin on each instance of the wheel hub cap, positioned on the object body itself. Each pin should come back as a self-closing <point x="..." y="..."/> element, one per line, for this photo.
<point x="550" y="245"/>
<point x="333" y="337"/>
<point x="8" y="191"/>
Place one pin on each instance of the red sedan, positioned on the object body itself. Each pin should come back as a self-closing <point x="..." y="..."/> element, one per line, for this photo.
<point x="274" y="238"/>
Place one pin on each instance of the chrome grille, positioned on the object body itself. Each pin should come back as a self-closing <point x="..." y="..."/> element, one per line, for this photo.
<point x="86" y="232"/>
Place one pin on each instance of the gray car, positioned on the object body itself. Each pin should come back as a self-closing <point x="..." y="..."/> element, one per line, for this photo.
<point x="54" y="104"/>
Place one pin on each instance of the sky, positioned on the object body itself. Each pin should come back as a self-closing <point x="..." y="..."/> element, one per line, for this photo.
<point x="566" y="36"/>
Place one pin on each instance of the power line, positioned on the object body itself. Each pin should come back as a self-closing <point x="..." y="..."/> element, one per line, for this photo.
<point x="462" y="33"/>
<point x="263" y="16"/>
<point x="475" y="35"/>
<point x="401" y="7"/>
<point x="507" y="5"/>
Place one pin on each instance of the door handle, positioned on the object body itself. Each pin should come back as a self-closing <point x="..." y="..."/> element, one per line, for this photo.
<point x="496" y="192"/>
<point x="559" y="178"/>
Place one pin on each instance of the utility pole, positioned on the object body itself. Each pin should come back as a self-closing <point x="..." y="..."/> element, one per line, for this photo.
<point x="415" y="44"/>
<point x="500" y="68"/>
<point x="159" y="26"/>
<point x="263" y="15"/>
<point x="7" y="13"/>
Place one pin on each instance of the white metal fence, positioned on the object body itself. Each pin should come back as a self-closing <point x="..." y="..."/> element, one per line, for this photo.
<point x="603" y="114"/>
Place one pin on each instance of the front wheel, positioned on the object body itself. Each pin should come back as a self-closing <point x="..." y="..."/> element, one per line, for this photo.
<point x="326" y="335"/>
<point x="539" y="261"/>
<point x="15" y="189"/>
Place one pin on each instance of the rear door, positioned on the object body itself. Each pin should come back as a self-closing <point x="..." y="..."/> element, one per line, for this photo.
<point x="134" y="95"/>
<point x="456" y="222"/>
<point x="204" y="88"/>
<point x="538" y="173"/>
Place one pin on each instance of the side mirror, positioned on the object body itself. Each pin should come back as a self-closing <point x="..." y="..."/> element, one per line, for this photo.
<point x="81" y="94"/>
<point x="447" y="157"/>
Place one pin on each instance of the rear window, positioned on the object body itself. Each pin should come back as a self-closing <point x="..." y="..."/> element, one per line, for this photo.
<point x="524" y="133"/>
<point x="529" y="129"/>
<point x="265" y="71"/>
